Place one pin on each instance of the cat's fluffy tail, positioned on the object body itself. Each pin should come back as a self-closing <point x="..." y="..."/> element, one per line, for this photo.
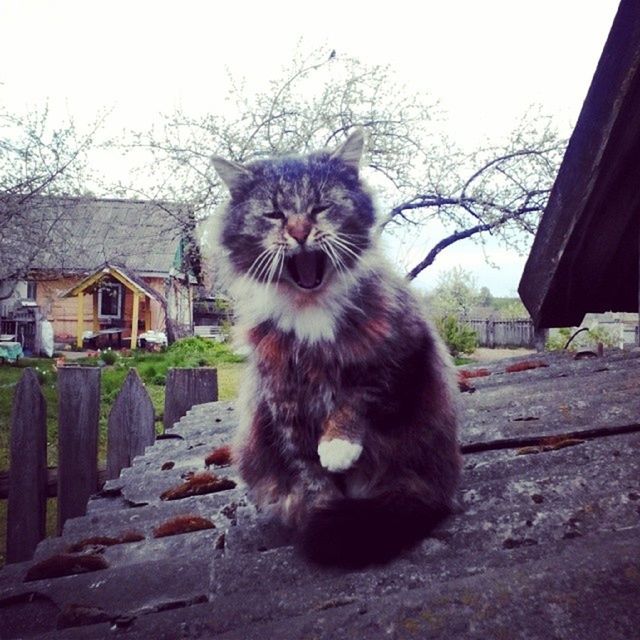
<point x="353" y="533"/>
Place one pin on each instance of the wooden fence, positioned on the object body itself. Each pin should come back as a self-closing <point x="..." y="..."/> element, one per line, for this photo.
<point x="130" y="428"/>
<point x="505" y="333"/>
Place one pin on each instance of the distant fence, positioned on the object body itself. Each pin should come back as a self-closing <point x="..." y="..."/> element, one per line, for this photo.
<point x="504" y="333"/>
<point x="130" y="428"/>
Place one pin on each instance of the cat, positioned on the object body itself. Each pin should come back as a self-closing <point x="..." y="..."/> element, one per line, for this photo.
<point x="348" y="409"/>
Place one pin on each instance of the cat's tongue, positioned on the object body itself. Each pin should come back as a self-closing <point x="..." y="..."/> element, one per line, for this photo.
<point x="307" y="269"/>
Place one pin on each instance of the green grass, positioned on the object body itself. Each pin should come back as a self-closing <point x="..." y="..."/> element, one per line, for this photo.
<point x="152" y="368"/>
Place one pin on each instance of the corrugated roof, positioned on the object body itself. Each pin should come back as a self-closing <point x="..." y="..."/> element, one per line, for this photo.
<point x="142" y="236"/>
<point x="546" y="543"/>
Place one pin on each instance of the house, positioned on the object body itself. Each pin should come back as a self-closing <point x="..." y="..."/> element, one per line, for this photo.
<point x="111" y="268"/>
<point x="586" y="254"/>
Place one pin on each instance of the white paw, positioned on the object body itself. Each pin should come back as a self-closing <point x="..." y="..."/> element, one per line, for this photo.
<point x="338" y="454"/>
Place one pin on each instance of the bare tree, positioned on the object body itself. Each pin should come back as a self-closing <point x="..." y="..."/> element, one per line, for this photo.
<point x="36" y="160"/>
<point x="420" y="176"/>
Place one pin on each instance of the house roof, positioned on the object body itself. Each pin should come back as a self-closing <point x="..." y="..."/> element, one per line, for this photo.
<point x="117" y="272"/>
<point x="142" y="236"/>
<point x="546" y="543"/>
<point x="585" y="257"/>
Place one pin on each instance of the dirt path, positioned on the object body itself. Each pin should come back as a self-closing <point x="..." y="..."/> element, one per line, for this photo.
<point x="488" y="355"/>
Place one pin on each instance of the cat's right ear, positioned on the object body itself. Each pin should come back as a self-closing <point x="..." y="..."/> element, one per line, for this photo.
<point x="231" y="173"/>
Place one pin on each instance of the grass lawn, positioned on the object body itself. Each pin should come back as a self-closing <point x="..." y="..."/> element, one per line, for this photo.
<point x="152" y="367"/>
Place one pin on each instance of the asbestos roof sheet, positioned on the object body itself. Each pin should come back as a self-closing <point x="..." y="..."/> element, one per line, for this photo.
<point x="545" y="544"/>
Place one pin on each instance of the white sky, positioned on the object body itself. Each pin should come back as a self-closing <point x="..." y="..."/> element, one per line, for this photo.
<point x="486" y="61"/>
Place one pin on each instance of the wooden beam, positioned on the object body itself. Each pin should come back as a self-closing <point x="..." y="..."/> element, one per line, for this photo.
<point x="84" y="284"/>
<point x="134" y="319"/>
<point x="96" y="320"/>
<point x="52" y="481"/>
<point x="147" y="314"/>
<point x="122" y="279"/>
<point x="584" y="257"/>
<point x="80" y="320"/>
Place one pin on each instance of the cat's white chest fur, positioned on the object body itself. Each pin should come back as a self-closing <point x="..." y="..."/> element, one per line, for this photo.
<point x="312" y="324"/>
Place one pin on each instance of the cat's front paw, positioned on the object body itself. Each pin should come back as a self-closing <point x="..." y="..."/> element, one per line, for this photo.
<point x="338" y="455"/>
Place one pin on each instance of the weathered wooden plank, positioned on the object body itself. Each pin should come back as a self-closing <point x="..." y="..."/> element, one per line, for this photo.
<point x="585" y="254"/>
<point x="51" y="481"/>
<point x="186" y="388"/>
<point x="130" y="425"/>
<point x="27" y="505"/>
<point x="78" y="415"/>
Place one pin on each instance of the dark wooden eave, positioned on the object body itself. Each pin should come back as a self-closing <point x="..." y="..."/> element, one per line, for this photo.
<point x="585" y="257"/>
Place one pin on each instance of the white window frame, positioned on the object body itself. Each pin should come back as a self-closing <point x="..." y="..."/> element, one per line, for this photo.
<point x="32" y="284"/>
<point x="110" y="285"/>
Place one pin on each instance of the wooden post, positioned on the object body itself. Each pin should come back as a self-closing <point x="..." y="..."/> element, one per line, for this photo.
<point x="130" y="426"/>
<point x="80" y="325"/>
<point x="96" y="320"/>
<point x="134" y="319"/>
<point x="78" y="415"/>
<point x="186" y="388"/>
<point x="27" y="504"/>
<point x="147" y="314"/>
<point x="540" y="337"/>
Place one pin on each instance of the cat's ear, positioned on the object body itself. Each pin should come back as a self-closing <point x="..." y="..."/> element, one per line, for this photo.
<point x="231" y="173"/>
<point x="351" y="150"/>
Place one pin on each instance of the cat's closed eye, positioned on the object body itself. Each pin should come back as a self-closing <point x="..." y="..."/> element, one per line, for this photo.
<point x="274" y="215"/>
<point x="320" y="208"/>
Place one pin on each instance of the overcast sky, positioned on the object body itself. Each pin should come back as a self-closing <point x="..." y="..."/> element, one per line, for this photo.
<point x="486" y="61"/>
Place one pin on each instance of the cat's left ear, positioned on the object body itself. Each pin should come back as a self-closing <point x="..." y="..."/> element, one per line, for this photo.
<point x="231" y="173"/>
<point x="351" y="150"/>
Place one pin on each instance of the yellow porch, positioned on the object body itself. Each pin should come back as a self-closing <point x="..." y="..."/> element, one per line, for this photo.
<point x="133" y="303"/>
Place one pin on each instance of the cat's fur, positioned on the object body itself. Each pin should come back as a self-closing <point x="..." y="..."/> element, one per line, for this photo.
<point x="348" y="417"/>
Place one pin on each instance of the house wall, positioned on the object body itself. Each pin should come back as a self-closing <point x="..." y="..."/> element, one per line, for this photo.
<point x="62" y="312"/>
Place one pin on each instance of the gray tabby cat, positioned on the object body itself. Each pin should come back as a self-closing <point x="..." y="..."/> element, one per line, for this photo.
<point x="348" y="412"/>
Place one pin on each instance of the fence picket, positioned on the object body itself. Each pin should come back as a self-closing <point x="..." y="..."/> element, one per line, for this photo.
<point x="188" y="387"/>
<point x="130" y="426"/>
<point x="27" y="495"/>
<point x="503" y="333"/>
<point x="78" y="415"/>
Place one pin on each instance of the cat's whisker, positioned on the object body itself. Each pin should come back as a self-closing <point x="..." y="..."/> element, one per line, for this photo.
<point x="275" y="264"/>
<point x="335" y="259"/>
<point x="282" y="259"/>
<point x="344" y="249"/>
<point x="350" y="237"/>
<point x="265" y="266"/>
<point x="256" y="265"/>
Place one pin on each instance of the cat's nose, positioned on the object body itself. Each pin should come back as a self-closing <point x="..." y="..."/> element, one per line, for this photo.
<point x="299" y="228"/>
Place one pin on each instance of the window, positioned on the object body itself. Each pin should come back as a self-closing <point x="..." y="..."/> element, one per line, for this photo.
<point x="110" y="300"/>
<point x="32" y="288"/>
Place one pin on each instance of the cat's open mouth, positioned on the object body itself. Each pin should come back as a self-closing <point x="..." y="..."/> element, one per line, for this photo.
<point x="307" y="268"/>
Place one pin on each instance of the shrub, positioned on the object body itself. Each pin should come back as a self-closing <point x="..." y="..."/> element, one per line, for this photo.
<point x="109" y="357"/>
<point x="458" y="338"/>
<point x="588" y="339"/>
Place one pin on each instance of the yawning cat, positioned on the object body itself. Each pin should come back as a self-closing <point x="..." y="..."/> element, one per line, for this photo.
<point x="348" y="413"/>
